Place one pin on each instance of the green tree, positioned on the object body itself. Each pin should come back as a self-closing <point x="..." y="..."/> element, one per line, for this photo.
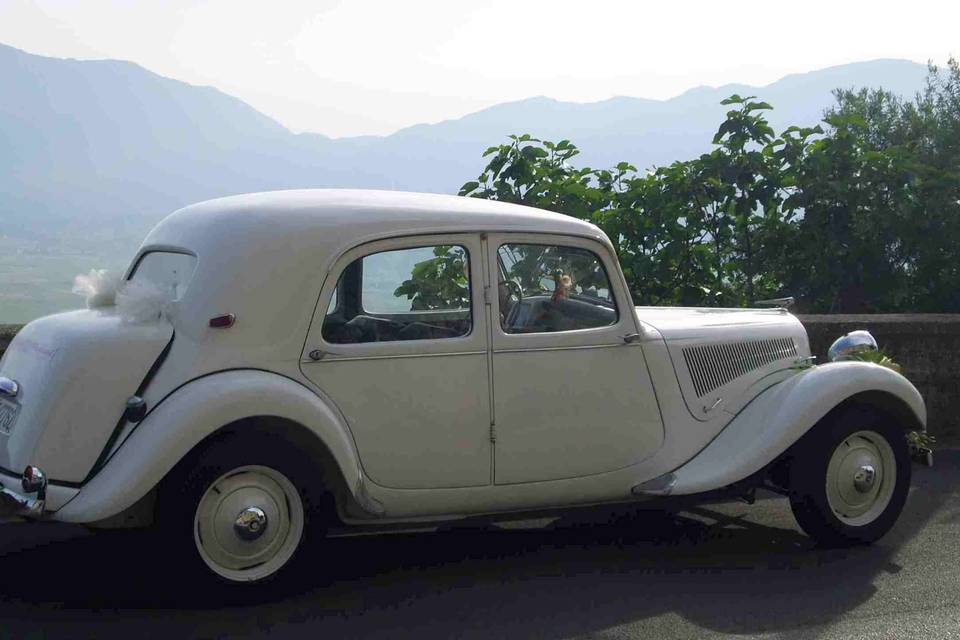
<point x="860" y="214"/>
<point x="438" y="283"/>
<point x="880" y="195"/>
<point x="695" y="232"/>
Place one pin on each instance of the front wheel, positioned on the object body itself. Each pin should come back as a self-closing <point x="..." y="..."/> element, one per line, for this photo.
<point x="849" y="478"/>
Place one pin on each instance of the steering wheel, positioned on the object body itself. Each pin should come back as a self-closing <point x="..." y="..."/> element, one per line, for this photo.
<point x="513" y="291"/>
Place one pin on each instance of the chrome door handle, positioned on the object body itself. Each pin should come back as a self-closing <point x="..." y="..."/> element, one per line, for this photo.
<point x="631" y="338"/>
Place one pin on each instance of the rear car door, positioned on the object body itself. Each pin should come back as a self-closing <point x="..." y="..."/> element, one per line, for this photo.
<point x="399" y="344"/>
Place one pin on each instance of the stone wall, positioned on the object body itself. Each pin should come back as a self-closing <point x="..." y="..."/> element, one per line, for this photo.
<point x="926" y="345"/>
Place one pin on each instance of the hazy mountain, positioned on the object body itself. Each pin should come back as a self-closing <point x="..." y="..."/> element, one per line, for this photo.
<point x="83" y="143"/>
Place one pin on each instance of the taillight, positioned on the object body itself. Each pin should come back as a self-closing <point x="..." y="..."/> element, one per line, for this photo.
<point x="223" y="321"/>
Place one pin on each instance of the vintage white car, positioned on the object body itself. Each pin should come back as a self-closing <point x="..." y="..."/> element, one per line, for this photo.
<point x="278" y="365"/>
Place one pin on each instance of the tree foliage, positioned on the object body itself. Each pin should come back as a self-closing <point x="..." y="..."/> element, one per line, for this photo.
<point x="439" y="283"/>
<point x="861" y="213"/>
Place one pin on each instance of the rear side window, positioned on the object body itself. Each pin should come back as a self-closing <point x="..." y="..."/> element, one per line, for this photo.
<point x="420" y="293"/>
<point x="168" y="271"/>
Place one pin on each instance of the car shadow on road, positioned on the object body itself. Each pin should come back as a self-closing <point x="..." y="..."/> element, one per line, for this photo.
<point x="720" y="568"/>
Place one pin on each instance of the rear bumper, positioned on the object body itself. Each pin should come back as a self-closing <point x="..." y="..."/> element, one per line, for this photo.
<point x="21" y="503"/>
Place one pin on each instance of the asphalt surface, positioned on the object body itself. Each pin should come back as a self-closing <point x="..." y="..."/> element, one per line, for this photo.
<point x="731" y="569"/>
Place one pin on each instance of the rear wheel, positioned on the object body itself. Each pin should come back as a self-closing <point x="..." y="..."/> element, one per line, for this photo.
<point x="849" y="478"/>
<point x="240" y="510"/>
<point x="249" y="523"/>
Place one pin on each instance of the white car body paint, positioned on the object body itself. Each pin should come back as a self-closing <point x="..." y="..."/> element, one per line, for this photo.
<point x="76" y="371"/>
<point x="178" y="424"/>
<point x="424" y="429"/>
<point x="781" y="415"/>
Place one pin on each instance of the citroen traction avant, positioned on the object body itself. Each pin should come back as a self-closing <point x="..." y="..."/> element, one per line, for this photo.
<point x="277" y="366"/>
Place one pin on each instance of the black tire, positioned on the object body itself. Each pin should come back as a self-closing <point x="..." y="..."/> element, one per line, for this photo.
<point x="181" y="492"/>
<point x="808" y="477"/>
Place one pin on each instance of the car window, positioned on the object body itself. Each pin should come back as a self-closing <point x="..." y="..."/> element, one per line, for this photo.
<point x="168" y="271"/>
<point x="419" y="293"/>
<point x="550" y="288"/>
<point x="332" y="307"/>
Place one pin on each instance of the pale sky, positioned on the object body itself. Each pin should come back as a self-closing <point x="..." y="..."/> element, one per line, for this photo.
<point x="353" y="67"/>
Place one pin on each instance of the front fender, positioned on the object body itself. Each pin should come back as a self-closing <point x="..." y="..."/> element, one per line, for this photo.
<point x="191" y="414"/>
<point x="778" y="417"/>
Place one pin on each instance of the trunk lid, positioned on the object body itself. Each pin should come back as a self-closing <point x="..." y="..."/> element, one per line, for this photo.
<point x="75" y="372"/>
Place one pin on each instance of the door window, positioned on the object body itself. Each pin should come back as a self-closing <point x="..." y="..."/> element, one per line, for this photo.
<point x="419" y="293"/>
<point x="549" y="288"/>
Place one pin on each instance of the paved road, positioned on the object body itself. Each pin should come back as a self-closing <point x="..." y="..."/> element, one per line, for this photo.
<point x="730" y="569"/>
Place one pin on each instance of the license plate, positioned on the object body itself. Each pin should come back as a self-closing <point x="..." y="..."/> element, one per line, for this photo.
<point x="8" y="415"/>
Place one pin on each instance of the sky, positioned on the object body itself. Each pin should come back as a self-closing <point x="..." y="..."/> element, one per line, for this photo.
<point x="370" y="67"/>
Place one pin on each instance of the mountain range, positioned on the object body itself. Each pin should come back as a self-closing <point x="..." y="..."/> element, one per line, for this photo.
<point x="106" y="140"/>
<point x="94" y="152"/>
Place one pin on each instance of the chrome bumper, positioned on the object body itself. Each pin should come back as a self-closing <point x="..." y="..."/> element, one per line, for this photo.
<point x="22" y="505"/>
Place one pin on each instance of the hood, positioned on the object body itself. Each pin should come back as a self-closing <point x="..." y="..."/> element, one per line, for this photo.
<point x="75" y="372"/>
<point x="724" y="357"/>
<point x="682" y="323"/>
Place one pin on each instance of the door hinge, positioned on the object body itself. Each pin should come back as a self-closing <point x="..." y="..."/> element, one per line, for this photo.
<point x="493" y="433"/>
<point x="487" y="297"/>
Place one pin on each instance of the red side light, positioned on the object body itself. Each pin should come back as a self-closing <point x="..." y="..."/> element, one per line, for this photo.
<point x="223" y="322"/>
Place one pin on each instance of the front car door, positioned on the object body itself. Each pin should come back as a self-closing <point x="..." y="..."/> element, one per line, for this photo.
<point x="399" y="344"/>
<point x="572" y="395"/>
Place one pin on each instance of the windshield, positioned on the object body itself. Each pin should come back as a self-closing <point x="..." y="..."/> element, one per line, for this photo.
<point x="169" y="271"/>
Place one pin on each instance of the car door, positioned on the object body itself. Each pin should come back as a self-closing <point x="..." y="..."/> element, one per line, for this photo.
<point x="399" y="344"/>
<point x="571" y="393"/>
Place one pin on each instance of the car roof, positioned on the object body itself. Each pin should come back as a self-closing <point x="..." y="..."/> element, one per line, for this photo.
<point x="262" y="254"/>
<point x="395" y="211"/>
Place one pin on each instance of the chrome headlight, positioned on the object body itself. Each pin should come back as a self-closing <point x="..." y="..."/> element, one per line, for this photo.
<point x="846" y="346"/>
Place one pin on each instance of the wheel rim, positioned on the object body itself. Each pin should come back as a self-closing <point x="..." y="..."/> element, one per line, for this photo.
<point x="248" y="523"/>
<point x="861" y="477"/>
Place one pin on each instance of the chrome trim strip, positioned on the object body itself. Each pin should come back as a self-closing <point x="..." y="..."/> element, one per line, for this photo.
<point x="331" y="357"/>
<point x="568" y="348"/>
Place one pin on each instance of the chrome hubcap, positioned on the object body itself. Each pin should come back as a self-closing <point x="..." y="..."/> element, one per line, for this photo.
<point x="250" y="524"/>
<point x="864" y="478"/>
<point x="861" y="477"/>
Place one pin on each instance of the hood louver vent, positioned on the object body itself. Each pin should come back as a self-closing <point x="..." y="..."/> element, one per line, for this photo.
<point x="713" y="365"/>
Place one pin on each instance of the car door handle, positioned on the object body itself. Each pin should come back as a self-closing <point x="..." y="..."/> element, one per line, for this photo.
<point x="630" y="338"/>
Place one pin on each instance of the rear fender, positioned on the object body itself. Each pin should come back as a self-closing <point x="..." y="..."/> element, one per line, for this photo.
<point x="782" y="414"/>
<point x="191" y="414"/>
